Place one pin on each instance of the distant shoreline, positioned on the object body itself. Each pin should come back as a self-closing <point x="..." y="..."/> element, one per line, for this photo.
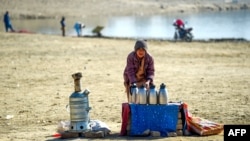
<point x="155" y="39"/>
<point x="40" y="17"/>
<point x="47" y="9"/>
<point x="161" y="39"/>
<point x="31" y="16"/>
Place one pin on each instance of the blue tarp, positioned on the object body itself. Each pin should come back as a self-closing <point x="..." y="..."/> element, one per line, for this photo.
<point x="162" y="118"/>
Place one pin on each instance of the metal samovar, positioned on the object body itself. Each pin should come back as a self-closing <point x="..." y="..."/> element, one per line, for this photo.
<point x="79" y="107"/>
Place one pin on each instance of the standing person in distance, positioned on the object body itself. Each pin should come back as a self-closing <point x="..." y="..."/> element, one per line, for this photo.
<point x="139" y="67"/>
<point x="63" y="25"/>
<point x="7" y="22"/>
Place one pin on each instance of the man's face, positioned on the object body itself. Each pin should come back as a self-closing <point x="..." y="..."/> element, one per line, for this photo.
<point x="140" y="52"/>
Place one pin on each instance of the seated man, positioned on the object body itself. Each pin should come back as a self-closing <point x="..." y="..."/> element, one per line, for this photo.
<point x="180" y="26"/>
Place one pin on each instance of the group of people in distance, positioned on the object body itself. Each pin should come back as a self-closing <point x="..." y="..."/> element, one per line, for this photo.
<point x="78" y="26"/>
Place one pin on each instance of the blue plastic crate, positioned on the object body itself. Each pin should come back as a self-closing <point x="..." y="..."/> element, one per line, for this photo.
<point x="162" y="118"/>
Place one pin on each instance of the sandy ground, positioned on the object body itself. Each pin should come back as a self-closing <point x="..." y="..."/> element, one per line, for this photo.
<point x="211" y="77"/>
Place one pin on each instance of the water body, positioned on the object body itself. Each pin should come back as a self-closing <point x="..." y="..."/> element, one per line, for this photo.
<point x="209" y="25"/>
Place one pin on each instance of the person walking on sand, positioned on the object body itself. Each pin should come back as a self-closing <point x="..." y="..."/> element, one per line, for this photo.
<point x="63" y="25"/>
<point x="7" y="22"/>
<point x="139" y="68"/>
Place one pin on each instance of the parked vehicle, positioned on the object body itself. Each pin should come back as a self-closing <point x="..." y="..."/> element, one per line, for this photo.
<point x="183" y="34"/>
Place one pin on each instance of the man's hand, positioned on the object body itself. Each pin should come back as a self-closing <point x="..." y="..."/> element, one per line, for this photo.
<point x="147" y="84"/>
